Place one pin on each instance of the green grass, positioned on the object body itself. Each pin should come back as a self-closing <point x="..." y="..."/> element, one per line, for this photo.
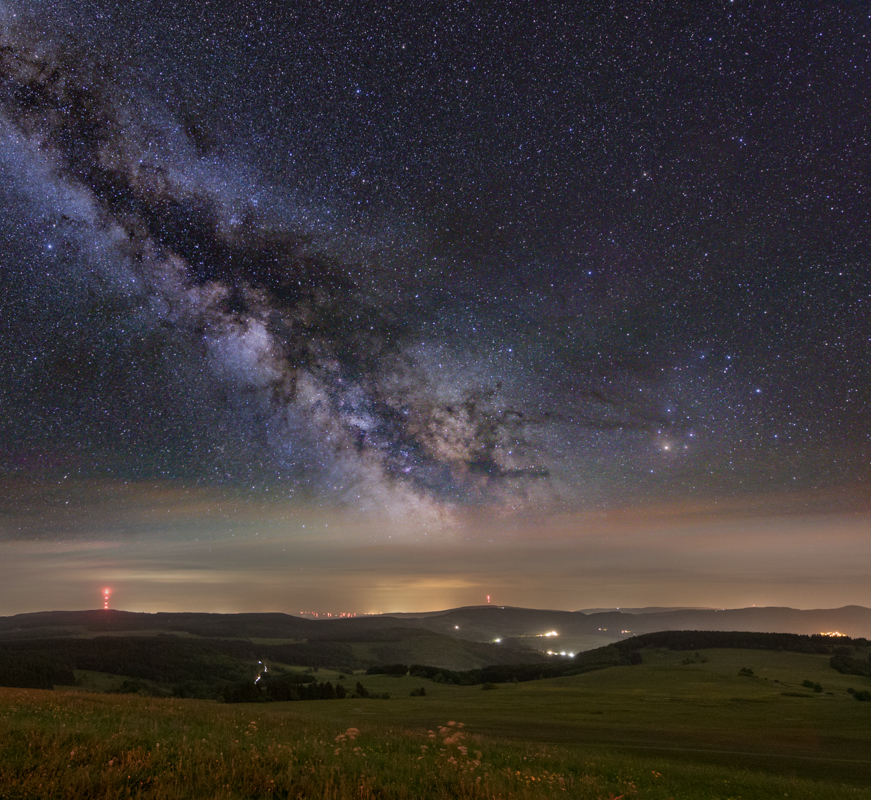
<point x="704" y="712"/>
<point x="91" y="681"/>
<point x="659" y="730"/>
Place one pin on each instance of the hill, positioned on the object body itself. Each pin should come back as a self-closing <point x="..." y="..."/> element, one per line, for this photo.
<point x="512" y="628"/>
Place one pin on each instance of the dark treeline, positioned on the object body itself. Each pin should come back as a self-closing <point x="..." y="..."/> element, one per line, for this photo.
<point x="27" y="672"/>
<point x="519" y="673"/>
<point x="164" y="660"/>
<point x="847" y="665"/>
<point x="700" y="640"/>
<point x="510" y="673"/>
<point x="290" y="687"/>
<point x="388" y="669"/>
<point x="185" y="667"/>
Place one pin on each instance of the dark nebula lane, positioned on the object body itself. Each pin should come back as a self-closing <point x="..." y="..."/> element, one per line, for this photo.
<point x="283" y="323"/>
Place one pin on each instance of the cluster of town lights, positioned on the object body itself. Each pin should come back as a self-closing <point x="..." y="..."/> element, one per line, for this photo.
<point x="328" y="614"/>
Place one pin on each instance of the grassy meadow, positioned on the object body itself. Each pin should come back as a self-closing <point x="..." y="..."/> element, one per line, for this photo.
<point x="680" y="725"/>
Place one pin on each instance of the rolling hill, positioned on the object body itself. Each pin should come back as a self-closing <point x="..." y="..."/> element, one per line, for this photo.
<point x="485" y="624"/>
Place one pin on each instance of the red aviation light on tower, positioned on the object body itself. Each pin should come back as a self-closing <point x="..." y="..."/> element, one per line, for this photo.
<point x="106" y="599"/>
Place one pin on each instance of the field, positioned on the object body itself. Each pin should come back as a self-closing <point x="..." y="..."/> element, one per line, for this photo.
<point x="662" y="729"/>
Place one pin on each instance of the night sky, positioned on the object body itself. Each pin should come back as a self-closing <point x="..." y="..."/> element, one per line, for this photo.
<point x="371" y="307"/>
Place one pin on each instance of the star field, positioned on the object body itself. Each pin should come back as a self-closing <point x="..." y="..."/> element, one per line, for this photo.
<point x="432" y="262"/>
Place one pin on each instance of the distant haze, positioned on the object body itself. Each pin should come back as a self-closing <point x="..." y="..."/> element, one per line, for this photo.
<point x="201" y="551"/>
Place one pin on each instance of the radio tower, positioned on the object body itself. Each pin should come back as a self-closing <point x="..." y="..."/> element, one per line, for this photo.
<point x="106" y="599"/>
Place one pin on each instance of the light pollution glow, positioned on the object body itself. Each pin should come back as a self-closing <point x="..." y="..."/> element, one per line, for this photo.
<point x="222" y="554"/>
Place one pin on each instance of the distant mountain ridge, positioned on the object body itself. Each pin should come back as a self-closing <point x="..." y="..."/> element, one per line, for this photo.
<point x="490" y="623"/>
<point x="645" y="610"/>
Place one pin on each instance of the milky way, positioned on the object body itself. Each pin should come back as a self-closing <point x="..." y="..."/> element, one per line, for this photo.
<point x="288" y="329"/>
<point x="180" y="303"/>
